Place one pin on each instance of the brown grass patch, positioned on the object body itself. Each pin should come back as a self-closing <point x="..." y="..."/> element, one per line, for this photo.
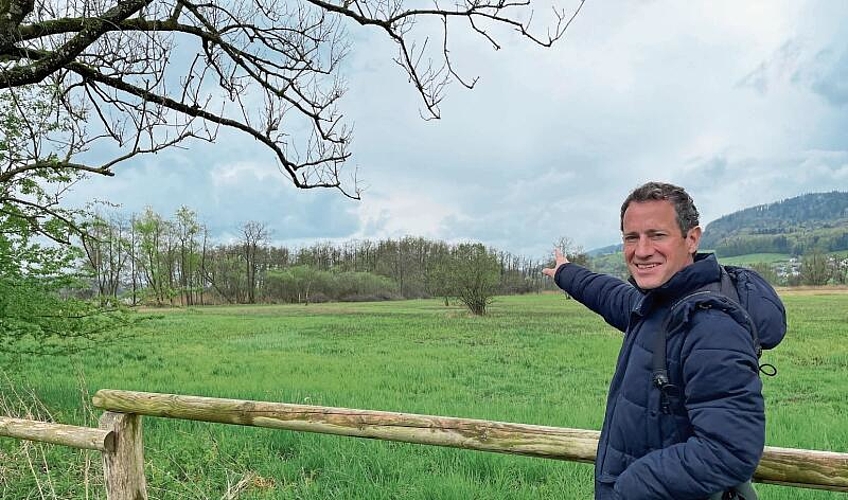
<point x="813" y="290"/>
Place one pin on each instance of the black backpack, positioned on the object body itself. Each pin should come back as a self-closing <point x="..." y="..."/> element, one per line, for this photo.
<point x="731" y="295"/>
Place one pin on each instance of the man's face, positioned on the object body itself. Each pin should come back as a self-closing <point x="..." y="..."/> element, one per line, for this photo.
<point x="654" y="249"/>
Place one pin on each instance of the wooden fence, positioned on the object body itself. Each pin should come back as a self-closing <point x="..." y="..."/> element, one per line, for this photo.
<point x="120" y="436"/>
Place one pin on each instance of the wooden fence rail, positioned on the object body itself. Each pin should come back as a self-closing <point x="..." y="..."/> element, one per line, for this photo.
<point x="783" y="466"/>
<point x="120" y="436"/>
<point x="84" y="438"/>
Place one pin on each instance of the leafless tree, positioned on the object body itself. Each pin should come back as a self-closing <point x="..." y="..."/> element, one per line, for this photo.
<point x="133" y="77"/>
<point x="107" y="253"/>
<point x="253" y="236"/>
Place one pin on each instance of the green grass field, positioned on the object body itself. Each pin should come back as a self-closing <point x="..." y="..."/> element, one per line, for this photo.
<point x="537" y="359"/>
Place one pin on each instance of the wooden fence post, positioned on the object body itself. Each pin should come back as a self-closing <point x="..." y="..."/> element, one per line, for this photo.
<point x="123" y="468"/>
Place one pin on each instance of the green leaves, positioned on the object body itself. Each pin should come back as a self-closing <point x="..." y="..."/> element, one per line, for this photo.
<point x="42" y="306"/>
<point x="471" y="274"/>
<point x="36" y="319"/>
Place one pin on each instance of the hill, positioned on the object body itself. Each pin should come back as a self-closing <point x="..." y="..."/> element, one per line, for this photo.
<point x="816" y="221"/>
<point x="607" y="250"/>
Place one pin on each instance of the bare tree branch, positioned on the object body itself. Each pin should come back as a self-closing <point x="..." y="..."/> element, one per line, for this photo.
<point x="135" y="77"/>
<point x="90" y="31"/>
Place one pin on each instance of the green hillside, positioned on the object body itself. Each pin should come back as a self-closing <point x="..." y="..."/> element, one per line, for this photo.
<point x="816" y="221"/>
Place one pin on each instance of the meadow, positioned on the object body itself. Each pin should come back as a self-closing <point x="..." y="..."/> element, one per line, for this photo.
<point x="536" y="359"/>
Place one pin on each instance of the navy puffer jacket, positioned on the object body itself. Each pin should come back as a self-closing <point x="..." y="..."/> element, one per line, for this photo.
<point x="715" y="438"/>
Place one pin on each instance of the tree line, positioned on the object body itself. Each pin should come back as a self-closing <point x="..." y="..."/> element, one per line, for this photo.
<point x="149" y="259"/>
<point x="797" y="241"/>
<point x="814" y="268"/>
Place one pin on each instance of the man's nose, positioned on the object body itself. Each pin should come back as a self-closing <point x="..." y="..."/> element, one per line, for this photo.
<point x="644" y="247"/>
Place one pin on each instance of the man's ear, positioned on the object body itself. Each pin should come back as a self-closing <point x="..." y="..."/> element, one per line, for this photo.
<point x="693" y="239"/>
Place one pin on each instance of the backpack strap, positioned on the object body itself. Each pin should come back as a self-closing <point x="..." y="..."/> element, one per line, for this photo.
<point x="659" y="371"/>
<point x="721" y="295"/>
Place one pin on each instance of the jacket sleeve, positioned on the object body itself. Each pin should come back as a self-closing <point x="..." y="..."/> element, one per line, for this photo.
<point x="723" y="400"/>
<point x="610" y="297"/>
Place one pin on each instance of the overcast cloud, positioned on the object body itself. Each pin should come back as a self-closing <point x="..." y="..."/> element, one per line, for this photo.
<point x="742" y="103"/>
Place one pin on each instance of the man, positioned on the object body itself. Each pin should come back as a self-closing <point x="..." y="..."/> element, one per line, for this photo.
<point x="712" y="439"/>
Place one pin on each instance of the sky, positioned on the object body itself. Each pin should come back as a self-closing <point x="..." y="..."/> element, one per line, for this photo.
<point x="741" y="103"/>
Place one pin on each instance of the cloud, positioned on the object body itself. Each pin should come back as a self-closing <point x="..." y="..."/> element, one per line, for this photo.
<point x="780" y="67"/>
<point x="399" y="213"/>
<point x="725" y="184"/>
<point x="225" y="194"/>
<point x="831" y="82"/>
<point x="825" y="72"/>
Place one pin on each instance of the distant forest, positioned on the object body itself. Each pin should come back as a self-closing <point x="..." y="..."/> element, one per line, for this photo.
<point x="150" y="259"/>
<point x="795" y="226"/>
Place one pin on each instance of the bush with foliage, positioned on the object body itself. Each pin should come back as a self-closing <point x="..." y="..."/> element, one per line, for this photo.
<point x="38" y="312"/>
